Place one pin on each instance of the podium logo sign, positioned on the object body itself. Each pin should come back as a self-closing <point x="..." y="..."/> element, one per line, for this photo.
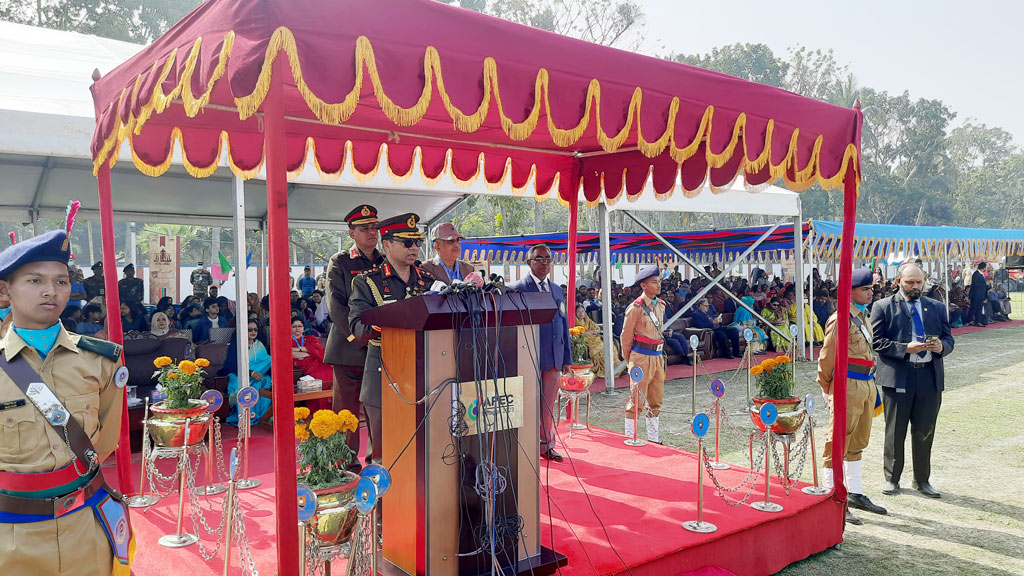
<point x="500" y="407"/>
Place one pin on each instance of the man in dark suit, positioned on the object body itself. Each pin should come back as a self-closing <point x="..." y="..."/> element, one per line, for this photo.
<point x="911" y="336"/>
<point x="445" y="265"/>
<point x="978" y="295"/>
<point x="554" y="355"/>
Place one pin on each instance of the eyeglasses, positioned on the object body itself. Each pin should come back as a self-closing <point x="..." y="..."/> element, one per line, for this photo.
<point x="253" y="330"/>
<point x="411" y="243"/>
<point x="541" y="260"/>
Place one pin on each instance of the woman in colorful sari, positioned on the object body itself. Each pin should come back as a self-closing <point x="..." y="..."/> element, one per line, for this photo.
<point x="259" y="374"/>
<point x="308" y="356"/>
<point x="744" y="319"/>
<point x="777" y="315"/>
<point x="594" y="342"/>
<point x="811" y="326"/>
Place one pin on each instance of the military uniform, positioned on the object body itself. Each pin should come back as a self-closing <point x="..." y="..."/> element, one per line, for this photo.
<point x="861" y="393"/>
<point x="643" y="344"/>
<point x="200" y="280"/>
<point x="379" y="286"/>
<point x="94" y="285"/>
<point x="130" y="290"/>
<point x="346" y="357"/>
<point x="51" y="500"/>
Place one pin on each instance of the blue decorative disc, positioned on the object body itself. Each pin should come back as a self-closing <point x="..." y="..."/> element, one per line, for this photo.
<point x="248" y="397"/>
<point x="307" y="502"/>
<point x="694" y="342"/>
<point x="366" y="495"/>
<point x="214" y="398"/>
<point x="700" y="425"/>
<point x="121" y="377"/>
<point x="793" y="330"/>
<point x="380" y="476"/>
<point x="748" y="334"/>
<point x="718" y="388"/>
<point x="809" y="403"/>
<point x="636" y="374"/>
<point x="769" y="413"/>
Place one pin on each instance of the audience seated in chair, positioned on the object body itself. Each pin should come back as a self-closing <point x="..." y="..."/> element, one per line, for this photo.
<point x="308" y="356"/>
<point x="259" y="373"/>
<point x="595" y="344"/>
<point x="201" y="328"/>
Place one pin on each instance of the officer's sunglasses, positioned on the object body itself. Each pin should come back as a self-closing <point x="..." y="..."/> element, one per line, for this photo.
<point x="411" y="243"/>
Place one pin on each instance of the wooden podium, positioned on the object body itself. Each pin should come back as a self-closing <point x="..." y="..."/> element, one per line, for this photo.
<point x="434" y="520"/>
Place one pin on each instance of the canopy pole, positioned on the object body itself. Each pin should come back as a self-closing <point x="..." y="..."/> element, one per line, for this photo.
<point x="115" y="332"/>
<point x="798" y="255"/>
<point x="945" y="275"/>
<point x="606" y="299"/>
<point x="810" y="287"/>
<point x="274" y="138"/>
<point x="570" y="298"/>
<point x="843" y="336"/>
<point x="241" y="285"/>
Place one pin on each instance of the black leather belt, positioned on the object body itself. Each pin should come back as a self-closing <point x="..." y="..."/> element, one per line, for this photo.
<point x="53" y="507"/>
<point x="653" y="347"/>
<point x="919" y="365"/>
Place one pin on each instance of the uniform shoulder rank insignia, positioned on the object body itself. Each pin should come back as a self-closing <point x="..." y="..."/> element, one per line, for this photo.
<point x="101" y="347"/>
<point x="639" y="301"/>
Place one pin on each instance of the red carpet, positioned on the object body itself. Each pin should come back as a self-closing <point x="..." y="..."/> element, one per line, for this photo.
<point x="642" y="495"/>
<point x="707" y="367"/>
<point x="991" y="326"/>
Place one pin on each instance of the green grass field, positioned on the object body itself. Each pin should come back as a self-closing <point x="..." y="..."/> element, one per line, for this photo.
<point x="977" y="527"/>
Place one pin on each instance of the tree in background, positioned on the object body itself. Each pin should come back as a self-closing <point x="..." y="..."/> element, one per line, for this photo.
<point x="138" y="21"/>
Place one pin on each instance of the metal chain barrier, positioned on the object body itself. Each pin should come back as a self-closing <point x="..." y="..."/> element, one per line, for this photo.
<point x="790" y="481"/>
<point x="197" y="511"/>
<point x="751" y="478"/>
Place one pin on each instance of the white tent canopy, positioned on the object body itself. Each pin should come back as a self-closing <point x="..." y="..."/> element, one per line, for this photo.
<point x="733" y="199"/>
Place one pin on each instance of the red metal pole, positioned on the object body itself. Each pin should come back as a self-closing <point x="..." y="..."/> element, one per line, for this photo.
<point x="115" y="333"/>
<point x="280" y="307"/>
<point x="570" y="297"/>
<point x="843" y="336"/>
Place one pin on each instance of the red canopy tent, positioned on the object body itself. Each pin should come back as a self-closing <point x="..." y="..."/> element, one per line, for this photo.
<point x="405" y="85"/>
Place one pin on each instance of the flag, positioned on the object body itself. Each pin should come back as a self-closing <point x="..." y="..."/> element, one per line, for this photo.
<point x="217" y="274"/>
<point x="225" y="266"/>
<point x="248" y="258"/>
<point x="618" y="264"/>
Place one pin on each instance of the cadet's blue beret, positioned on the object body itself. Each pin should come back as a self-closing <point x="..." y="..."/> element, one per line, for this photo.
<point x="48" y="247"/>
<point x="862" y="277"/>
<point x="645" y="273"/>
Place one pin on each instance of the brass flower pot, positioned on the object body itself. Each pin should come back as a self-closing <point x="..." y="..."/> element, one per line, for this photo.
<point x="167" y="425"/>
<point x="336" y="513"/>
<point x="791" y="417"/>
<point x="579" y="378"/>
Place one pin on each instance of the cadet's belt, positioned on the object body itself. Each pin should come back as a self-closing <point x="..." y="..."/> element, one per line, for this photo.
<point x="38" y="481"/>
<point x="860" y="369"/>
<point x="16" y="509"/>
<point x="648" y="346"/>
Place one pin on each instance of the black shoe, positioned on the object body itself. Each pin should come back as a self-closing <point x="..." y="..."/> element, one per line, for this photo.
<point x="551" y="455"/>
<point x="687" y="361"/>
<point x="861" y="502"/>
<point x="891" y="488"/>
<point x="926" y="489"/>
<point x="851" y="519"/>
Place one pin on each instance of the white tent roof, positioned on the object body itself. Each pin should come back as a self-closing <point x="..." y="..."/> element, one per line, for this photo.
<point x="733" y="199"/>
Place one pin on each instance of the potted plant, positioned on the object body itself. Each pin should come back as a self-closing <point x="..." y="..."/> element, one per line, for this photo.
<point x="775" y="386"/>
<point x="324" y="457"/>
<point x="580" y="375"/>
<point x="181" y="385"/>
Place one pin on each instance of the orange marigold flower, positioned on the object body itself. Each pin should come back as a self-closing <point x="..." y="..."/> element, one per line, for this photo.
<point x="187" y="366"/>
<point x="301" y="432"/>
<point x="173" y="375"/>
<point x="301" y="413"/>
<point x="769" y="363"/>
<point x="202" y="362"/>
<point x="783" y="359"/>
<point x="161" y="361"/>
<point x="756" y="369"/>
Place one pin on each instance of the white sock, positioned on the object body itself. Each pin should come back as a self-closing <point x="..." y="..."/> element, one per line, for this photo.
<point x="826" y="478"/>
<point x="653" y="424"/>
<point x="630" y="427"/>
<point x="853" y="477"/>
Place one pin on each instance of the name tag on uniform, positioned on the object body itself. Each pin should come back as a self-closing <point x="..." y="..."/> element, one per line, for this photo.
<point x="48" y="404"/>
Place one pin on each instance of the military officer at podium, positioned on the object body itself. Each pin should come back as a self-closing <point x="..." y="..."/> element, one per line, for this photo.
<point x="396" y="278"/>
<point x="61" y="398"/>
<point x="642" y="345"/>
<point x="346" y="357"/>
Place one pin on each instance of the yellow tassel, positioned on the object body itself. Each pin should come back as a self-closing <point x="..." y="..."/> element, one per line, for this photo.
<point x="191" y="103"/>
<point x="119" y="569"/>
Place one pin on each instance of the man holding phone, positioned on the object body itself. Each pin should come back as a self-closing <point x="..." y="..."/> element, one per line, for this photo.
<point x="912" y="336"/>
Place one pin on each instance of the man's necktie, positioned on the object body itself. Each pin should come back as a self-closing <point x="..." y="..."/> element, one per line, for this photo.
<point x="543" y="285"/>
<point x="918" y="325"/>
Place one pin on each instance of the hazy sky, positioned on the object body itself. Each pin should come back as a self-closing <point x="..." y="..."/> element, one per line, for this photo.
<point x="970" y="54"/>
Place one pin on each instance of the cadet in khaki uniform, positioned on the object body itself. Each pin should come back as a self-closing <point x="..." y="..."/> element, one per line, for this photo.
<point x="396" y="278"/>
<point x="860" y="393"/>
<point x="642" y="344"/>
<point x="50" y="499"/>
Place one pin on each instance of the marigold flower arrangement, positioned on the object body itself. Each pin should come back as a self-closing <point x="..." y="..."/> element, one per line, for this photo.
<point x="774" y="377"/>
<point x="323" y="452"/>
<point x="181" y="382"/>
<point x="578" y="345"/>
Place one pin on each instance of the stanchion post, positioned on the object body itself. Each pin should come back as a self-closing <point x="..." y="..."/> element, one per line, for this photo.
<point x="768" y="415"/>
<point x="699" y="427"/>
<point x="142" y="500"/>
<point x="230" y="512"/>
<point x="179" y="540"/>
<point x="817" y="489"/>
<point x="247" y="398"/>
<point x="636" y="374"/>
<point x="718" y="390"/>
<point x="214" y="400"/>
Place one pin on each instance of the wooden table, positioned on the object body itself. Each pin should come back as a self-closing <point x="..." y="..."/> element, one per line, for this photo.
<point x="299" y="397"/>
